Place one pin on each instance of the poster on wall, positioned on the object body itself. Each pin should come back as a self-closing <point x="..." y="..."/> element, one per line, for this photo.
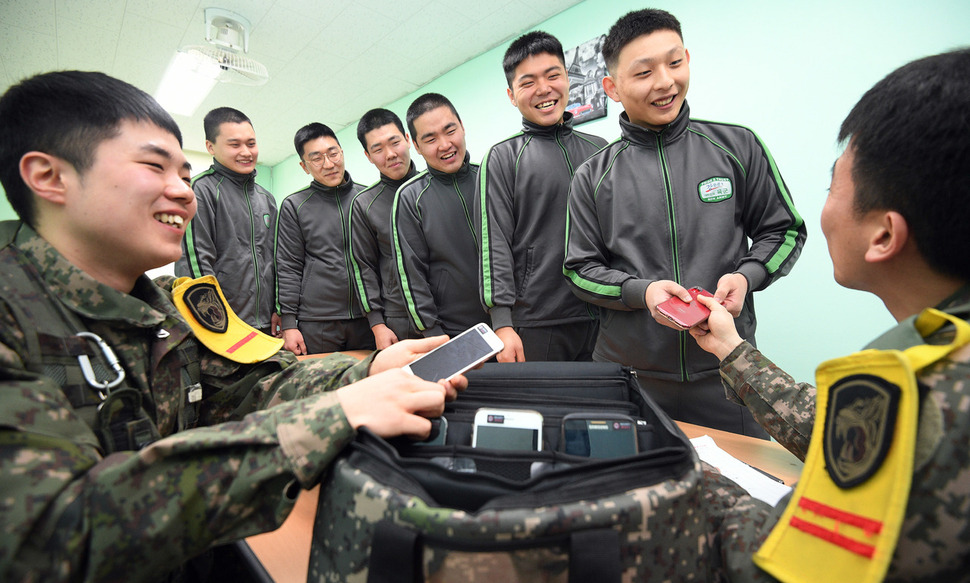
<point x="586" y="67"/>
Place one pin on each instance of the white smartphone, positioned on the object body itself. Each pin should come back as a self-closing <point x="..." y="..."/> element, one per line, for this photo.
<point x="515" y="429"/>
<point x="471" y="347"/>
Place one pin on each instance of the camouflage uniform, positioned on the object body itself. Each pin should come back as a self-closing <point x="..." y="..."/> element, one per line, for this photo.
<point x="68" y="512"/>
<point x="934" y="543"/>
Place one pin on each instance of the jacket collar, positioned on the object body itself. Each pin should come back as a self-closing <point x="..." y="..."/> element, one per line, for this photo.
<point x="345" y="187"/>
<point x="233" y="176"/>
<point x="145" y="306"/>
<point x="462" y="172"/>
<point x="643" y="137"/>
<point x="905" y="335"/>
<point x="560" y="129"/>
<point x="392" y="184"/>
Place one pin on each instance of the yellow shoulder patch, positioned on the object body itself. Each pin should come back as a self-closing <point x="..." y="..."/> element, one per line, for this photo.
<point x="205" y="309"/>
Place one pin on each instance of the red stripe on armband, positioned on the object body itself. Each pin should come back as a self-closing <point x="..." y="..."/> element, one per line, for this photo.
<point x="833" y="537"/>
<point x="867" y="524"/>
<point x="241" y="343"/>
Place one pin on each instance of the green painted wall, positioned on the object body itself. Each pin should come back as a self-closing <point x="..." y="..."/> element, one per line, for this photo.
<point x="789" y="70"/>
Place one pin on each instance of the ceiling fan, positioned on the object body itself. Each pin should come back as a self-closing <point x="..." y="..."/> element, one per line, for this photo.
<point x="227" y="33"/>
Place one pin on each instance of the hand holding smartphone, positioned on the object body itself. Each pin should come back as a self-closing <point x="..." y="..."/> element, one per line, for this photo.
<point x="466" y="350"/>
<point x="686" y="315"/>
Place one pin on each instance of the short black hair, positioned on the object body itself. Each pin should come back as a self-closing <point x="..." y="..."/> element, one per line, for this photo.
<point x="67" y="114"/>
<point x="311" y="131"/>
<point x="219" y="116"/>
<point x="632" y="26"/>
<point x="910" y="140"/>
<point x="527" y="45"/>
<point x="374" y="119"/>
<point x="423" y="105"/>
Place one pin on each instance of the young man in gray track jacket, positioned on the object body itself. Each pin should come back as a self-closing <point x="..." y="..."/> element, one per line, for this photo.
<point x="318" y="300"/>
<point x="231" y="237"/>
<point x="387" y="146"/>
<point x="522" y="190"/>
<point x="433" y="224"/>
<point x="674" y="203"/>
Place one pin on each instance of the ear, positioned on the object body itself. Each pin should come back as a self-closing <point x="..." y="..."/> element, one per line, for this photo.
<point x="687" y="56"/>
<point x="366" y="153"/>
<point x="210" y="147"/>
<point x="511" y="96"/>
<point x="610" y="87"/>
<point x="889" y="237"/>
<point x="45" y="175"/>
<point x="305" y="169"/>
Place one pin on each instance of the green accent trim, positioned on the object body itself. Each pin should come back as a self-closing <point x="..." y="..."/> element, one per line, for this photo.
<point x="405" y="285"/>
<point x="358" y="279"/>
<point x="488" y="293"/>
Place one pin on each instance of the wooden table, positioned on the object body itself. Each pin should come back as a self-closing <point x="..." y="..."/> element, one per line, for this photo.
<point x="285" y="552"/>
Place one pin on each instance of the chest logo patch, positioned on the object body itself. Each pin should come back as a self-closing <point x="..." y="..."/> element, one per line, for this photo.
<point x="715" y="189"/>
<point x="859" y="424"/>
<point x="203" y="301"/>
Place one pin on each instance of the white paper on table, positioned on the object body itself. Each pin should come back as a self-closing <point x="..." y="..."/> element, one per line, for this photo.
<point x="757" y="484"/>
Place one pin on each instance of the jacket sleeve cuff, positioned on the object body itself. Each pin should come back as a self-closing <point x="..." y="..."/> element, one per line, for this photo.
<point x="501" y="317"/>
<point x="755" y="273"/>
<point x="311" y="433"/>
<point x="634" y="293"/>
<point x="435" y="330"/>
<point x="375" y="317"/>
<point x="288" y="321"/>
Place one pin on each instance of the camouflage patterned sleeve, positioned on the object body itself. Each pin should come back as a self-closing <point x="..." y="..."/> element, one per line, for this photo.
<point x="785" y="408"/>
<point x="69" y="513"/>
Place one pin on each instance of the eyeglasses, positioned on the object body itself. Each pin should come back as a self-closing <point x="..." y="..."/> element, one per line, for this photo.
<point x="318" y="157"/>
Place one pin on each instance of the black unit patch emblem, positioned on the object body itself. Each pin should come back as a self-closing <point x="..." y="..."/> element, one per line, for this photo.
<point x="207" y="307"/>
<point x="859" y="425"/>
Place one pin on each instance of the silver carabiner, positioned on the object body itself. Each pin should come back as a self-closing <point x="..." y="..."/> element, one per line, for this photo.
<point x="103" y="387"/>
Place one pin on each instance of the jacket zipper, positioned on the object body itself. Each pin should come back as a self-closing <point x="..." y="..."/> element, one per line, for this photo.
<point x="675" y="257"/>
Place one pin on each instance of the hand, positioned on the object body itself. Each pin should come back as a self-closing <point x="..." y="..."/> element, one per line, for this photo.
<point x="513" y="351"/>
<point x="718" y="335"/>
<point x="293" y="341"/>
<point x="383" y="336"/>
<point x="660" y="291"/>
<point x="393" y="403"/>
<point x="276" y="325"/>
<point x="731" y="290"/>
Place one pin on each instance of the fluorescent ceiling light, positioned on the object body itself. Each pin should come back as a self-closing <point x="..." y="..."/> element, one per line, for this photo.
<point x="186" y="83"/>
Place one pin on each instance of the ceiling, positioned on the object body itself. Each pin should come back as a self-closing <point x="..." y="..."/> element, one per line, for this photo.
<point x="328" y="60"/>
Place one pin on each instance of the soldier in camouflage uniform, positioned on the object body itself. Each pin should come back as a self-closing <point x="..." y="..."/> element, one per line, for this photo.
<point x="895" y="221"/>
<point x="94" y="169"/>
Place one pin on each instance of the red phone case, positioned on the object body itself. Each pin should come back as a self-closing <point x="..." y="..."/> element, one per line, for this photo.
<point x="685" y="315"/>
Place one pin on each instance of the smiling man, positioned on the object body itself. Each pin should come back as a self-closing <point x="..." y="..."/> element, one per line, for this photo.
<point x="388" y="148"/>
<point x="319" y="305"/>
<point x="128" y="443"/>
<point x="674" y="203"/>
<point x="433" y="226"/>
<point x="522" y="191"/>
<point x="231" y="236"/>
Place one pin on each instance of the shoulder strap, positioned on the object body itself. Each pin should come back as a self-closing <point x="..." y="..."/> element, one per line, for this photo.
<point x="850" y="503"/>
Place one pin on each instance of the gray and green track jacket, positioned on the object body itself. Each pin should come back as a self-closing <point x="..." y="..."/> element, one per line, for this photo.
<point x="522" y="191"/>
<point x="436" y="250"/>
<point x="231" y="237"/>
<point x="313" y="265"/>
<point x="372" y="251"/>
<point x="690" y="203"/>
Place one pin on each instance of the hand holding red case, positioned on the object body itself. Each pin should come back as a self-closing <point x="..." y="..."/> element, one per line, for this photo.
<point x="686" y="315"/>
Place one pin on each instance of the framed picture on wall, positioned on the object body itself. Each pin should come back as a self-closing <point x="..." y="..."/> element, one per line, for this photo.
<point x="586" y="67"/>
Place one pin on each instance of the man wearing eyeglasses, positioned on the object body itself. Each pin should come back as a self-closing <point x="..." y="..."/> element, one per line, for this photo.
<point x="318" y="302"/>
